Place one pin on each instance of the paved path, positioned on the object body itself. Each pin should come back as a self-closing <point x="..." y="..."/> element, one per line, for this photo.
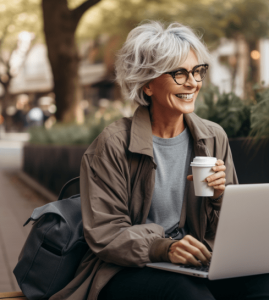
<point x="17" y="202"/>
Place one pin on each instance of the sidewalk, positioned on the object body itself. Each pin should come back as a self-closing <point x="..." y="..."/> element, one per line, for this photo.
<point x="17" y="202"/>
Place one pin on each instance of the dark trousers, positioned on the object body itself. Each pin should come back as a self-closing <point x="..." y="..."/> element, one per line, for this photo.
<point x="148" y="283"/>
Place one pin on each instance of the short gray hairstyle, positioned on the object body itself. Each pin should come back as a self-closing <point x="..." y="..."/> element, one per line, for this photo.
<point x="151" y="50"/>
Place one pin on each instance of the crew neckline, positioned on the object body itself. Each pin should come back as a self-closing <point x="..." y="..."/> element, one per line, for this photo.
<point x="183" y="136"/>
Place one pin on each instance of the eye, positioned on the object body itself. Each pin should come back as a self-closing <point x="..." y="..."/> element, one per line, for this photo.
<point x="199" y="73"/>
<point x="180" y="77"/>
<point x="179" y="74"/>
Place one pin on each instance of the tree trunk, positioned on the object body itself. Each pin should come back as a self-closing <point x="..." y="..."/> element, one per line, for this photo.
<point x="254" y="63"/>
<point x="243" y="65"/>
<point x="59" y="28"/>
<point x="5" y="102"/>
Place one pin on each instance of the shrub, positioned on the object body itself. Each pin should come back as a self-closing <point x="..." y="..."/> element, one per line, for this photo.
<point x="73" y="134"/>
<point x="260" y="114"/>
<point x="226" y="109"/>
<point x="239" y="118"/>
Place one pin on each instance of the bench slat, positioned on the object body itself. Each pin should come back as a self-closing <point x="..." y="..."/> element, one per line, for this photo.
<point x="14" y="298"/>
<point x="12" y="295"/>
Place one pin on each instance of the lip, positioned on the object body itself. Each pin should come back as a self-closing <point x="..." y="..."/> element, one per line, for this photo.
<point x="187" y="93"/>
<point x="185" y="99"/>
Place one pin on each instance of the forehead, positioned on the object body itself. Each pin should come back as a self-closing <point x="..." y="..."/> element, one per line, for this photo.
<point x="190" y="62"/>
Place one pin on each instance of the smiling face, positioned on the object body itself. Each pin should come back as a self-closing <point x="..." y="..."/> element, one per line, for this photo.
<point x="169" y="97"/>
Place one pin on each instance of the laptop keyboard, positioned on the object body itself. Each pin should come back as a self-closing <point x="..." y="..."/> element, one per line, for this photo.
<point x="202" y="268"/>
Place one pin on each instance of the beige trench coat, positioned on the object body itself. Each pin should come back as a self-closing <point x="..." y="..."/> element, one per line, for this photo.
<point x="116" y="182"/>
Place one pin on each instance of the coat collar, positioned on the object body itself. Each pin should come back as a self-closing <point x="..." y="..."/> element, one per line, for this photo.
<point x="141" y="131"/>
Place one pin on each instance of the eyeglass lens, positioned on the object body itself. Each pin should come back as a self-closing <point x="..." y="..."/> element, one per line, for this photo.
<point x="199" y="74"/>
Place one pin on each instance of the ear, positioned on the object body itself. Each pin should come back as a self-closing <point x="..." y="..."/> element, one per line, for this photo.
<point x="147" y="89"/>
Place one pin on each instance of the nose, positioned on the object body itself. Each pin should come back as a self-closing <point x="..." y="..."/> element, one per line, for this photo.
<point x="191" y="82"/>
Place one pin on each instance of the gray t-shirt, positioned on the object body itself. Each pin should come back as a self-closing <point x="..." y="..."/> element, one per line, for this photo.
<point x="172" y="157"/>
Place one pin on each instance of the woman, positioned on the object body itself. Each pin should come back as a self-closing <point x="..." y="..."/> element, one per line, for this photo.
<point x="138" y="204"/>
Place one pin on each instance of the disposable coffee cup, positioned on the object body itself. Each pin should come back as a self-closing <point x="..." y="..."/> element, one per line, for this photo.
<point x="201" y="169"/>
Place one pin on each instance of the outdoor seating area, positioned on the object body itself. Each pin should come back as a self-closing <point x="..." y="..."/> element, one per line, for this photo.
<point x="140" y="117"/>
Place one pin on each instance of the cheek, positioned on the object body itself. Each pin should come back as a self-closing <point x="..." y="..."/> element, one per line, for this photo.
<point x="164" y="85"/>
<point x="199" y="85"/>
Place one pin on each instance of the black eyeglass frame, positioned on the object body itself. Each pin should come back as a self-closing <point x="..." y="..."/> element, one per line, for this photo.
<point x="173" y="73"/>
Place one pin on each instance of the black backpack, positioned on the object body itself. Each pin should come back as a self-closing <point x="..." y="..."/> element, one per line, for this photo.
<point x="54" y="248"/>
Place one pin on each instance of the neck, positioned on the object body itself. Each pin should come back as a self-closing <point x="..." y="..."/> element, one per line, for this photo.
<point x="166" y="124"/>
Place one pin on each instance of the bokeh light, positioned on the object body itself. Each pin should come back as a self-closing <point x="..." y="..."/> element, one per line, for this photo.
<point x="255" y="54"/>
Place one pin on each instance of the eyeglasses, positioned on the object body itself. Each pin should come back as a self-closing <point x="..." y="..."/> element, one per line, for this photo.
<point x="181" y="75"/>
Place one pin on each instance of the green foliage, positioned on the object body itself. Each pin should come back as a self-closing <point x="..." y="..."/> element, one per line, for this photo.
<point x="239" y="118"/>
<point x="229" y="18"/>
<point x="260" y="114"/>
<point x="72" y="134"/>
<point x="60" y="135"/>
<point x="17" y="16"/>
<point x="212" y="18"/>
<point x="227" y="110"/>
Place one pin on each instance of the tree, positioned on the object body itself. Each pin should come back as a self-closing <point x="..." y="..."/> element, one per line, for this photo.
<point x="60" y="23"/>
<point x="213" y="18"/>
<point x="66" y="21"/>
<point x="11" y="64"/>
<point x="15" y="16"/>
<point x="245" y="21"/>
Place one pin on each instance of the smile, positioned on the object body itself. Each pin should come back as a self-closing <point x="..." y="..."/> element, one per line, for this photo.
<point x="185" y="96"/>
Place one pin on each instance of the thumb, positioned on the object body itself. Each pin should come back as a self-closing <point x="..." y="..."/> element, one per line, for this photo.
<point x="190" y="177"/>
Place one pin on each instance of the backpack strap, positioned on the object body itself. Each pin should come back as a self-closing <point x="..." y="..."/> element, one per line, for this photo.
<point x="67" y="185"/>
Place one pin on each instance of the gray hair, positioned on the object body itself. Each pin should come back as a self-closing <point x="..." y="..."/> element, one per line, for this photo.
<point x="151" y="50"/>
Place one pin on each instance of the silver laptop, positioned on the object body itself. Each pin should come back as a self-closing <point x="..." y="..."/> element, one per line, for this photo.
<point x="242" y="239"/>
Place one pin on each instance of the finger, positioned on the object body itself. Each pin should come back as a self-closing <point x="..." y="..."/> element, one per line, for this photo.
<point x="219" y="187"/>
<point x="190" y="177"/>
<point x="186" y="257"/>
<point x="193" y="241"/>
<point x="196" y="252"/>
<point x="191" y="259"/>
<point x="219" y="168"/>
<point x="216" y="176"/>
<point x="178" y="259"/>
<point x="219" y="181"/>
<point x="219" y="162"/>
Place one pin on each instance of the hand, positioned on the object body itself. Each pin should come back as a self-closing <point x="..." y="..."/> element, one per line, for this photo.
<point x="217" y="180"/>
<point x="187" y="252"/>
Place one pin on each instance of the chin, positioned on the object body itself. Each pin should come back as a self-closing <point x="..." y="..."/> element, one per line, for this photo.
<point x="187" y="109"/>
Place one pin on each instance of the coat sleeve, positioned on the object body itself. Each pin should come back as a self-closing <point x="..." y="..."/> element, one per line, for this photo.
<point x="108" y="228"/>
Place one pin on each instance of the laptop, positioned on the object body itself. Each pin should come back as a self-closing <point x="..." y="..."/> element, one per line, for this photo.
<point x="241" y="245"/>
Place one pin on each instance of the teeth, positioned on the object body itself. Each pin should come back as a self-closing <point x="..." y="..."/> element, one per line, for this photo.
<point x="185" y="96"/>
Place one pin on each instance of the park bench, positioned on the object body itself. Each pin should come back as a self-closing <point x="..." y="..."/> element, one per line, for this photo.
<point x="12" y="295"/>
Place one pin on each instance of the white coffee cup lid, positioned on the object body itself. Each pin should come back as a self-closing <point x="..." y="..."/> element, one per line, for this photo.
<point x="204" y="161"/>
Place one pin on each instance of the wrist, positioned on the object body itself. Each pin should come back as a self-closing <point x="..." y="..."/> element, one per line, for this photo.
<point x="218" y="198"/>
<point x="159" y="250"/>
